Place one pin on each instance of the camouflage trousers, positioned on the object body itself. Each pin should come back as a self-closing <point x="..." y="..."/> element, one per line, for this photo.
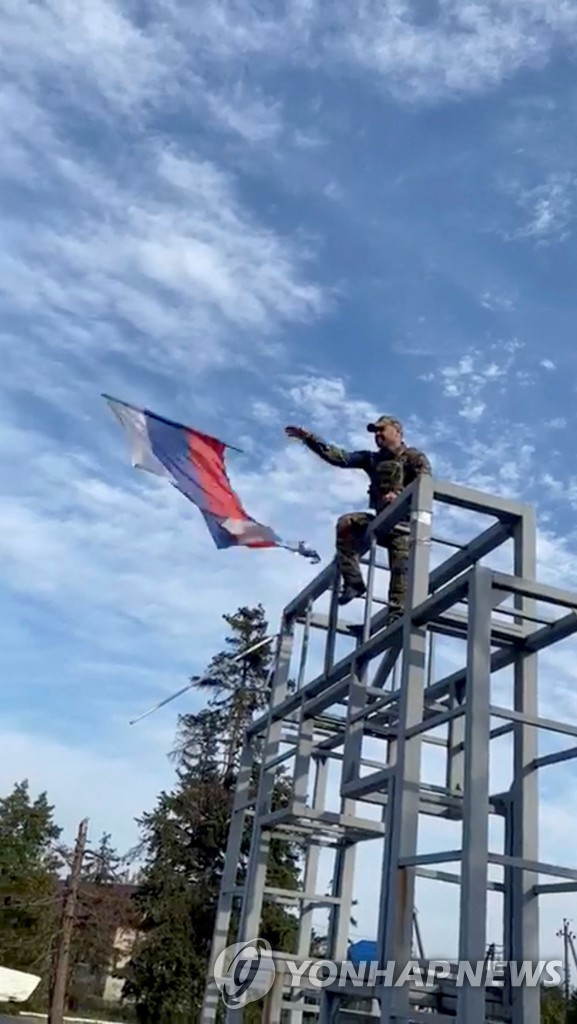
<point x="351" y="535"/>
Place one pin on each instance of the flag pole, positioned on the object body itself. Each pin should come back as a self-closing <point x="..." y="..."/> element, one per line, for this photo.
<point x="195" y="679"/>
<point x="170" y="423"/>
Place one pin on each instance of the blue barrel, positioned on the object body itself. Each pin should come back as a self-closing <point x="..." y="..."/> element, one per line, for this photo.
<point x="363" y="951"/>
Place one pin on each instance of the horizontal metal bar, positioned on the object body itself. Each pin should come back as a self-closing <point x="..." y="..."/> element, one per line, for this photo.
<point x="365" y="763"/>
<point x="357" y="788"/>
<point x="558" y="758"/>
<point x="501" y="730"/>
<point x="524" y="616"/>
<point x="331" y="695"/>
<point x="453" y="879"/>
<point x="537" y="591"/>
<point x="500" y="631"/>
<point x="554" y="887"/>
<point x="531" y="644"/>
<point x="441" y="600"/>
<point x="534" y="867"/>
<point x="280" y="758"/>
<point x="477" y="501"/>
<point x="444" y="857"/>
<point x="324" y="748"/>
<point x="435" y="722"/>
<point x="477" y="549"/>
<point x="549" y="724"/>
<point x="301" y="897"/>
<point x="322" y="819"/>
<point x="375" y="706"/>
<point x="435" y="539"/>
<point x="323" y="622"/>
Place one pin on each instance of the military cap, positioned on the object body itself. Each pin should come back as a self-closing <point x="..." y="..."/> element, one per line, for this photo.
<point x="382" y="421"/>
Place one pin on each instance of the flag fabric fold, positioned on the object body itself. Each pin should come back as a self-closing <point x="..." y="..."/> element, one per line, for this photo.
<point x="194" y="463"/>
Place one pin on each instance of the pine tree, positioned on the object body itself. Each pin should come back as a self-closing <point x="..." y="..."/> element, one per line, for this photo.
<point x="236" y="690"/>
<point x="184" y="838"/>
<point x="29" y="866"/>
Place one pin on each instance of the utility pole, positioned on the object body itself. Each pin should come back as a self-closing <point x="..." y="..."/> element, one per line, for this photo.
<point x="62" y="960"/>
<point x="567" y="935"/>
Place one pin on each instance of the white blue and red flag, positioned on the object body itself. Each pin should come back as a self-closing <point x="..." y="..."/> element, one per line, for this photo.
<point x="194" y="463"/>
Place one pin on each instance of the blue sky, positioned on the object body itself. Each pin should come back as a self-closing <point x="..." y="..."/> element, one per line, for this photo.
<point x="339" y="210"/>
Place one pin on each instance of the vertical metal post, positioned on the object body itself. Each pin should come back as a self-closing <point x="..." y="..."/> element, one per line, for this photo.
<point x="305" y="647"/>
<point x="370" y="588"/>
<point x="312" y="862"/>
<point x="250" y="917"/>
<point x="398" y="880"/>
<point x="331" y="637"/>
<point x="525" y="792"/>
<point x="225" y="900"/>
<point x="475" y="849"/>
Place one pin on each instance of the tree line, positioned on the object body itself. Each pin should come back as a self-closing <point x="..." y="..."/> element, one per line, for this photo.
<point x="166" y="889"/>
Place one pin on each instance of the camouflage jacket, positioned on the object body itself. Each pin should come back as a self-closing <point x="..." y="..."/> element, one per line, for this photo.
<point x="386" y="471"/>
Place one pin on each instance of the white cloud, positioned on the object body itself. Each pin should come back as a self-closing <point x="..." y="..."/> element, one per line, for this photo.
<point x="466" y="48"/>
<point x="497" y="303"/>
<point x="549" y="209"/>
<point x="184" y="265"/>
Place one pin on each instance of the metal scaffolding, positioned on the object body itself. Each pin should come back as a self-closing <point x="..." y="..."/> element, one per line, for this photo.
<point x="386" y="690"/>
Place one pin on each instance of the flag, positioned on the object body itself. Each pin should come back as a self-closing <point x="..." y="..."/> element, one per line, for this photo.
<point x="194" y="463"/>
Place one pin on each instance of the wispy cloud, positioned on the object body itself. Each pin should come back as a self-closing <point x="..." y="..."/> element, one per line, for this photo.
<point x="173" y="257"/>
<point x="456" y="48"/>
<point x="548" y="209"/>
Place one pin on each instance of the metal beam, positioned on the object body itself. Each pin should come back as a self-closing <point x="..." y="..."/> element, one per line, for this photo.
<point x="479" y="548"/>
<point x="477" y="501"/>
<point x="536" y="591"/>
<point x="396" y="919"/>
<point x="474" y="866"/>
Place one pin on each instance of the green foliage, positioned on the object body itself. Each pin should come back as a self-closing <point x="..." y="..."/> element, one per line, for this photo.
<point x="184" y="837"/>
<point x="28" y="878"/>
<point x="236" y="690"/>
<point x="553" y="1007"/>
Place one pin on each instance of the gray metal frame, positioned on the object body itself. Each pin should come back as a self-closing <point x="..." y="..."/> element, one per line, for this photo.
<point x="384" y="689"/>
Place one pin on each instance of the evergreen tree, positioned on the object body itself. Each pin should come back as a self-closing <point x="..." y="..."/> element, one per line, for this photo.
<point x="236" y="690"/>
<point x="29" y="866"/>
<point x="184" y="837"/>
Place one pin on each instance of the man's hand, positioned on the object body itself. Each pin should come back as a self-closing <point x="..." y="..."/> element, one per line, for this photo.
<point x="298" y="432"/>
<point x="390" y="497"/>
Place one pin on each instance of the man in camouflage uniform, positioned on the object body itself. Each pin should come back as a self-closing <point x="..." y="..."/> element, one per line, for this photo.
<point x="390" y="469"/>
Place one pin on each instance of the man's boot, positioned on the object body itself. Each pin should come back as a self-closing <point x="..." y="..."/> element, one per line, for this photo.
<point x="351" y="590"/>
<point x="393" y="615"/>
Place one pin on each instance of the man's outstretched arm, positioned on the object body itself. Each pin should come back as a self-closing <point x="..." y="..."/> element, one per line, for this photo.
<point x="330" y="453"/>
